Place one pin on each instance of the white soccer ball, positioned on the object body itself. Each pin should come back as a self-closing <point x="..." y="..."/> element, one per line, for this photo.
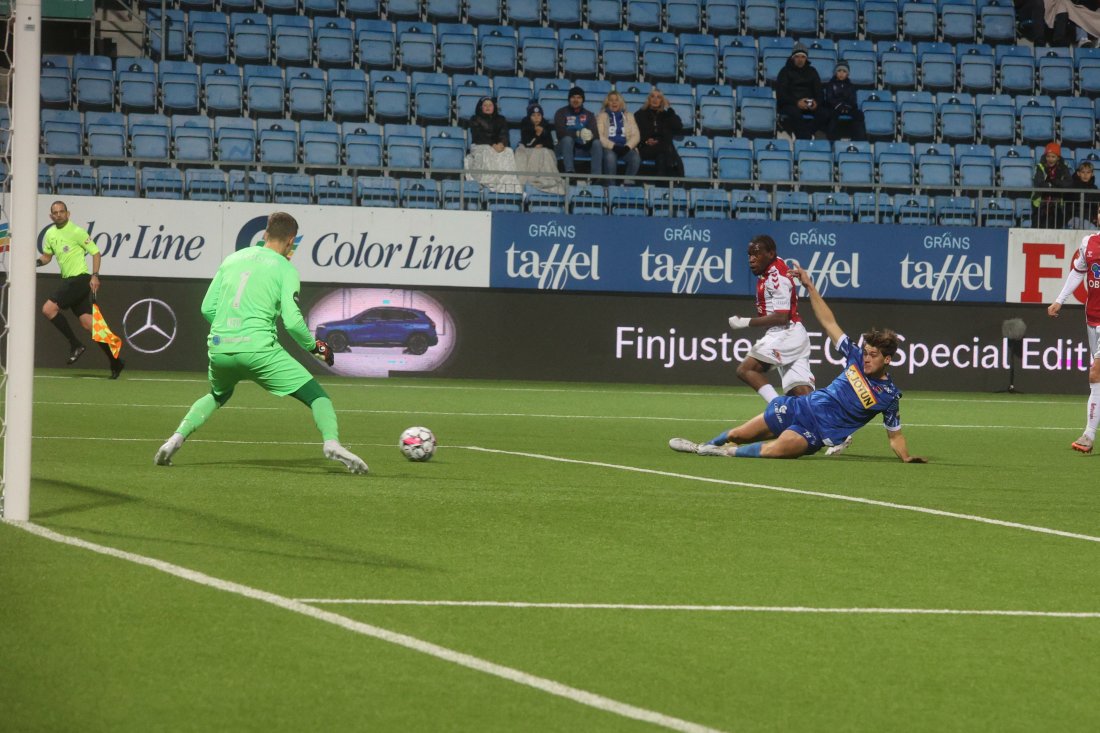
<point x="585" y="134"/>
<point x="417" y="444"/>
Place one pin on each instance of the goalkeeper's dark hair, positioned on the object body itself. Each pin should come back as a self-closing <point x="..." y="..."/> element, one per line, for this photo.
<point x="282" y="225"/>
<point x="883" y="339"/>
<point x="764" y="241"/>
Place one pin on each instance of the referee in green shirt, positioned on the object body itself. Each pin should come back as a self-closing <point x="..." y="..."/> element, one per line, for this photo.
<point x="71" y="245"/>
<point x="252" y="288"/>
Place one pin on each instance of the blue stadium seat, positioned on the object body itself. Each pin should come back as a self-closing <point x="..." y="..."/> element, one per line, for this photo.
<point x="390" y="96"/>
<point x="417" y="193"/>
<point x="919" y="21"/>
<point x="192" y="140"/>
<point x="174" y="28"/>
<point x="683" y="16"/>
<point x="62" y="135"/>
<point x="306" y="94"/>
<point x="405" y="146"/>
<point x="997" y="211"/>
<point x="832" y="207"/>
<point x="513" y="100"/>
<point x="880" y="114"/>
<point x="1036" y="120"/>
<point x="443" y="11"/>
<point x="1016" y="67"/>
<point x="761" y="17"/>
<point x="977" y="69"/>
<point x="137" y="85"/>
<point x="222" y="89"/>
<point x="709" y="203"/>
<point x="1056" y="72"/>
<point x="998" y="23"/>
<point x="774" y="160"/>
<point x="94" y="83"/>
<point x="377" y="44"/>
<point x="872" y="208"/>
<point x="377" y="191"/>
<point x="733" y="159"/>
<point x="814" y="165"/>
<point x="291" y="188"/>
<point x="627" y="201"/>
<point x="700" y="62"/>
<point x="318" y="9"/>
<point x="996" y="119"/>
<point x="254" y="186"/>
<point x="935" y="168"/>
<point x="717" y="110"/>
<point x="251" y="35"/>
<point x="209" y="36"/>
<point x="722" y="16"/>
<point x="667" y="202"/>
<point x="840" y="19"/>
<point x="149" y="137"/>
<point x="536" y="201"/>
<point x="1088" y="71"/>
<point x="880" y="20"/>
<point x="643" y="15"/>
<point x="523" y="12"/>
<point x="756" y="114"/>
<point x="895" y="164"/>
<point x="793" y="206"/>
<point x="801" y="18"/>
<point x="695" y="152"/>
<point x="580" y="57"/>
<point x="619" y="52"/>
<point x="937" y="67"/>
<point x="1015" y="167"/>
<point x="899" y="67"/>
<point x="334" y="39"/>
<point x="403" y="9"/>
<point x="416" y="44"/>
<point x="348" y="94"/>
<point x="468" y="90"/>
<point x="499" y="50"/>
<point x="976" y="166"/>
<point x="118" y="180"/>
<point x="432" y="104"/>
<point x="752" y="205"/>
<point x="1076" y="121"/>
<point x="564" y="14"/>
<point x="538" y="52"/>
<point x="278" y="143"/>
<point x="774" y="53"/>
<point x="362" y="144"/>
<point x="958" y="21"/>
<point x="914" y="209"/>
<point x="179" y="87"/>
<point x="105" y="136"/>
<point x="320" y="142"/>
<point x="506" y="200"/>
<point x="957" y="117"/>
<point x="205" y="184"/>
<point x="161" y="183"/>
<point x="862" y="62"/>
<point x="740" y="62"/>
<point x="660" y="60"/>
<point x="957" y="211"/>
<point x="457" y="50"/>
<point x="446" y="148"/>
<point x="234" y="140"/>
<point x="55" y="82"/>
<point x="265" y="91"/>
<point x="237" y="6"/>
<point x="917" y="115"/>
<point x="74" y="180"/>
<point x="586" y="200"/>
<point x="604" y="14"/>
<point x="279" y="7"/>
<point x="466" y="196"/>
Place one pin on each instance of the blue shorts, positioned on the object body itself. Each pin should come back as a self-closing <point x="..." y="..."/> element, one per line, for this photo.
<point x="794" y="413"/>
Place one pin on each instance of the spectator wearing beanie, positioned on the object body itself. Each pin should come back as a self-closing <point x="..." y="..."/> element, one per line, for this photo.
<point x="575" y="127"/>
<point x="535" y="154"/>
<point x="845" y="116"/>
<point x="798" y="96"/>
<point x="1050" y="173"/>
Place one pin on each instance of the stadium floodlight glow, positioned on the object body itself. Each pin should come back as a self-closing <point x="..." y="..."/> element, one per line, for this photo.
<point x="24" y="33"/>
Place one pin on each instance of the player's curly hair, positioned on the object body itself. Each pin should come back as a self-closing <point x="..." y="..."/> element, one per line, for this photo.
<point x="282" y="225"/>
<point x="765" y="242"/>
<point x="883" y="339"/>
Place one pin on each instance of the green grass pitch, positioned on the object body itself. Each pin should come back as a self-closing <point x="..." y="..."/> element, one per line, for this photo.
<point x="653" y="579"/>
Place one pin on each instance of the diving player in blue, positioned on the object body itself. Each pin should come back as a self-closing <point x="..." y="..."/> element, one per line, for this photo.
<point x="802" y="425"/>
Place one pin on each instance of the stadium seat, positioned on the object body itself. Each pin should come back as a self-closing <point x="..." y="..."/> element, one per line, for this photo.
<point x="761" y="17"/>
<point x="62" y="135"/>
<point x="523" y="12"/>
<point x="432" y="103"/>
<point x="105" y="136"/>
<point x="604" y="14"/>
<point x="118" y="181"/>
<point x="279" y="7"/>
<point x="937" y="68"/>
<point x="740" y="62"/>
<point x="222" y="89"/>
<point x="683" y="16"/>
<point x="717" y="110"/>
<point x="627" y="201"/>
<point x="1056" y="73"/>
<point x="179" y="87"/>
<point x="997" y="212"/>
<point x="306" y="94"/>
<point x="814" y="165"/>
<point x="538" y="49"/>
<point x="161" y="183"/>
<point x="695" y="152"/>
<point x="977" y="69"/>
<point x="321" y="9"/>
<point x="446" y="148"/>
<point x="405" y="146"/>
<point x="801" y="18"/>
<point x="840" y="19"/>
<point x="976" y="167"/>
<point x="74" y="180"/>
<point x="699" y="61"/>
<point x="1036" y="120"/>
<point x="376" y="43"/>
<point x="251" y="35"/>
<point x="708" y="203"/>
<point x="278" y="144"/>
<point x="291" y="188"/>
<point x="1087" y="63"/>
<point x="1014" y="170"/>
<point x="919" y="21"/>
<point x="998" y="23"/>
<point x="149" y="137"/>
<point x="733" y="159"/>
<point x="667" y="202"/>
<point x="756" y="115"/>
<point x="466" y="195"/>
<point x="55" y="82"/>
<point x="205" y="184"/>
<point x="935" y="168"/>
<point x="752" y="205"/>
<point x="793" y="206"/>
<point x="832" y="207"/>
<point x="895" y="164"/>
<point x="236" y="6"/>
<point x="660" y="60"/>
<point x="956" y="211"/>
<point x="348" y="94"/>
<point x="234" y="140"/>
<point x="774" y="161"/>
<point x="499" y="51"/>
<point x="880" y="20"/>
<point x="416" y="44"/>
<point x="1076" y="121"/>
<point x="619" y="54"/>
<point x="390" y="96"/>
<point x="536" y="201"/>
<point x="722" y="16"/>
<point x="417" y="193"/>
<point x="996" y="119"/>
<point x="192" y="140"/>
<point x="580" y="57"/>
<point x="914" y="209"/>
<point x="457" y="50"/>
<point x="443" y="11"/>
<point x="321" y="148"/>
<point x="173" y="26"/>
<point x="862" y="63"/>
<point x="872" y="208"/>
<point x="586" y="200"/>
<point x="93" y="83"/>
<point x="917" y="116"/>
<point x="774" y="53"/>
<point x="209" y="37"/>
<point x="899" y="68"/>
<point x="254" y="186"/>
<point x="1016" y="67"/>
<point x="880" y="114"/>
<point x="958" y="21"/>
<point x="957" y="118"/>
<point x="643" y="15"/>
<point x="334" y="39"/>
<point x="362" y="144"/>
<point x="855" y="163"/>
<point x="564" y="14"/>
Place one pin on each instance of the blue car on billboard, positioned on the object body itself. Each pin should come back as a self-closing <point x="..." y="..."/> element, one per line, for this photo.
<point x="382" y="326"/>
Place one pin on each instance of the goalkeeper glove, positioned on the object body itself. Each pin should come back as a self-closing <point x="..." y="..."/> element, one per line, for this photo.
<point x="323" y="352"/>
<point x="739" y="322"/>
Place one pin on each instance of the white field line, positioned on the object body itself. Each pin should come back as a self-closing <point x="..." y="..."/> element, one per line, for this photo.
<point x="574" y="694"/>
<point x="710" y="609"/>
<point x="582" y="389"/>
<point x="787" y="490"/>
<point x="545" y="416"/>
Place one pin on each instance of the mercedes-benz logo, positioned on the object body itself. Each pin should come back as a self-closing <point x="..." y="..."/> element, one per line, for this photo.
<point x="149" y="326"/>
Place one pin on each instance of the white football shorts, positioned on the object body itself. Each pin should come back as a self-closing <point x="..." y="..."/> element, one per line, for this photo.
<point x="1094" y="340"/>
<point x="788" y="349"/>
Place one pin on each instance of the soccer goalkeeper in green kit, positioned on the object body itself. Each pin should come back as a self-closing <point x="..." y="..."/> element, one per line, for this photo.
<point x="252" y="287"/>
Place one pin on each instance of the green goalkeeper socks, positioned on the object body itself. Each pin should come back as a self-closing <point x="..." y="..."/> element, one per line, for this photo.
<point x="199" y="413"/>
<point x="324" y="415"/>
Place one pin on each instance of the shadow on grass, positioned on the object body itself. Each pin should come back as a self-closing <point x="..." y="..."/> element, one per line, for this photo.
<point x="306" y="548"/>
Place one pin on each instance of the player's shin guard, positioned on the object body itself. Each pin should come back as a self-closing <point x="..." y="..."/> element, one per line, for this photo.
<point x="199" y="413"/>
<point x="324" y="416"/>
<point x="752" y="450"/>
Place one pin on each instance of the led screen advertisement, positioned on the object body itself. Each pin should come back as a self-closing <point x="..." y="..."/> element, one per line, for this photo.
<point x="585" y="336"/>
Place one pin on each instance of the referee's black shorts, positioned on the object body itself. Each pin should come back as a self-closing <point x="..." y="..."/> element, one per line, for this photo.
<point x="74" y="293"/>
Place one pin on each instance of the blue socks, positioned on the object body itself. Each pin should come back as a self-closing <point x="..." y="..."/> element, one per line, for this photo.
<point x="752" y="450"/>
<point x="720" y="439"/>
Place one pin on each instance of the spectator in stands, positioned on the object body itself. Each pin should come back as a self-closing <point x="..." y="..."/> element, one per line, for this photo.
<point x="845" y="116"/>
<point x="658" y="126"/>
<point x="1050" y="173"/>
<point x="798" y="96"/>
<point x="575" y="127"/>
<point x="535" y="153"/>
<point x="1081" y="206"/>
<point x="619" y="136"/>
<point x="493" y="163"/>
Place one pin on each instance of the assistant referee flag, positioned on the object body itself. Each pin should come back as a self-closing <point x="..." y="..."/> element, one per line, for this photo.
<point x="101" y="332"/>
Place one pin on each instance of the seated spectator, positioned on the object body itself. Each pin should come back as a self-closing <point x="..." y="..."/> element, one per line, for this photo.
<point x="845" y="116"/>
<point x="658" y="127"/>
<point x="1081" y="205"/>
<point x="619" y="136"/>
<point x="1050" y="173"/>
<point x="798" y="96"/>
<point x="490" y="161"/>
<point x="575" y="127"/>
<point x="535" y="153"/>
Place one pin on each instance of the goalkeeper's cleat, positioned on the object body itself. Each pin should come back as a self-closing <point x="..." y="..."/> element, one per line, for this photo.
<point x="337" y="452"/>
<point x="166" y="451"/>
<point x="710" y="449"/>
<point x="683" y="445"/>
<point x="76" y="353"/>
<point x="1083" y="444"/>
<point x="836" y="450"/>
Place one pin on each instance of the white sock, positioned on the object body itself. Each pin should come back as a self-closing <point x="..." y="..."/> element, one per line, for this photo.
<point x="768" y="392"/>
<point x="1093" y="415"/>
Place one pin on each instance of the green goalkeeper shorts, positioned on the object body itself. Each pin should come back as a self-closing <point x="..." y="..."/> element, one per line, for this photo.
<point x="273" y="369"/>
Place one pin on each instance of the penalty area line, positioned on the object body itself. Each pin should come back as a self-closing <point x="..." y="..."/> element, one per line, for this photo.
<point x="799" y="492"/>
<point x="705" y="608"/>
<point x="477" y="664"/>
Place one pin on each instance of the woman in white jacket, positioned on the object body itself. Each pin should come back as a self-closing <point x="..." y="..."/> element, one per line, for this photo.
<point x="619" y="136"/>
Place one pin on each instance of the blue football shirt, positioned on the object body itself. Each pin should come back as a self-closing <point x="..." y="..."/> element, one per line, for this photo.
<point x="853" y="399"/>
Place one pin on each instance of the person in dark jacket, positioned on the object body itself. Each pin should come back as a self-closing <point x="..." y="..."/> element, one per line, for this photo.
<point x="1082" y="205"/>
<point x="535" y="153"/>
<point x="798" y="96"/>
<point x="488" y="126"/>
<point x="845" y="116"/>
<point x="658" y="126"/>
<point x="575" y="127"/>
<point x="1050" y="173"/>
<point x="490" y="161"/>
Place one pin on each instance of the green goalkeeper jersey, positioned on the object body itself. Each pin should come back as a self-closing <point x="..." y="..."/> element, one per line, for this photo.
<point x="252" y="287"/>
<point x="70" y="245"/>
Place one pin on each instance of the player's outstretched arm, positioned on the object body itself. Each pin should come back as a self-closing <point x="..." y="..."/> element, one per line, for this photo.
<point x="822" y="311"/>
<point x="779" y="318"/>
<point x="901" y="448"/>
